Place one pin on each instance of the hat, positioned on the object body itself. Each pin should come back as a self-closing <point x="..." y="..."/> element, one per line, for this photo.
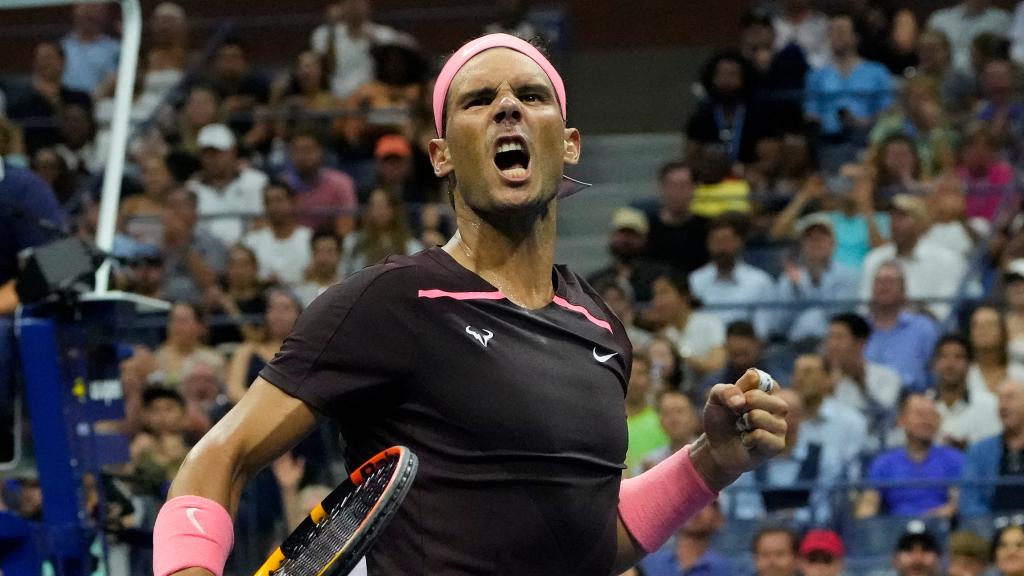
<point x="822" y="541"/>
<point x="1015" y="269"/>
<point x="392" y="145"/>
<point x="917" y="536"/>
<point x="630" y="219"/>
<point x="911" y="205"/>
<point x="811" y="220"/>
<point x="968" y="544"/>
<point x="216" y="136"/>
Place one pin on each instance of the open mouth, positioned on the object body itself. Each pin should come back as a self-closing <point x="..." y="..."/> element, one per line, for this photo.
<point x="512" y="158"/>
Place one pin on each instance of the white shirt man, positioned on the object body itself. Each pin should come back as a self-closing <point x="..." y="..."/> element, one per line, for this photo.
<point x="283" y="258"/>
<point x="961" y="25"/>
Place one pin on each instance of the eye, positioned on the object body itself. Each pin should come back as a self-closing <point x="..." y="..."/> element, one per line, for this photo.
<point x="532" y="97"/>
<point x="478" y="101"/>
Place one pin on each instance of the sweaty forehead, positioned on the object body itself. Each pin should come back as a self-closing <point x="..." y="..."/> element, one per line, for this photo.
<point x="493" y="67"/>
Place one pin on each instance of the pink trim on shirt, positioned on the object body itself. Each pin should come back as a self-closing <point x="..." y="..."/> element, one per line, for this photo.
<point x="496" y="295"/>
<point x="586" y="313"/>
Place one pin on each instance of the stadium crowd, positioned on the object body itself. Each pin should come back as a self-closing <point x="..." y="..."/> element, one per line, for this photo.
<point x="844" y="213"/>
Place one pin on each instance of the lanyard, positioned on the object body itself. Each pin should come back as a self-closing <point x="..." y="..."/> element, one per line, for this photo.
<point x="730" y="135"/>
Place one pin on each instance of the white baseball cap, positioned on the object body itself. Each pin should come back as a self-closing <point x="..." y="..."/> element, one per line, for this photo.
<point x="217" y="136"/>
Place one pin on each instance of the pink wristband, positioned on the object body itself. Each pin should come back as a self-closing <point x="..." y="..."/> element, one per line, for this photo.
<point x="656" y="503"/>
<point x="191" y="532"/>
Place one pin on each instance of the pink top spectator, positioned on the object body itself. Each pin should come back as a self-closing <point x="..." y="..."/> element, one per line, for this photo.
<point x="319" y="206"/>
<point x="985" y="192"/>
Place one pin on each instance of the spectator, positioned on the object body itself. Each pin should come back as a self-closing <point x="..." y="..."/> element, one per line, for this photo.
<point x="144" y="275"/>
<point x="325" y="197"/>
<point x="228" y="191"/>
<point x="619" y="297"/>
<point x="201" y="109"/>
<point x="386" y="103"/>
<point x="1002" y="109"/>
<point x="929" y="271"/>
<point x="921" y="120"/>
<point x="718" y="189"/>
<point x="92" y="55"/>
<point x="888" y="33"/>
<point x="45" y="96"/>
<point x="897" y="169"/>
<point x="241" y="295"/>
<point x="680" y="423"/>
<point x="345" y="41"/>
<point x="990" y="350"/>
<point x="997" y="458"/>
<point x="968" y="554"/>
<point x="158" y="451"/>
<point x="777" y="73"/>
<point x="324" y="269"/>
<point x="866" y="386"/>
<point x="1013" y="286"/>
<point x="919" y="460"/>
<point x="989" y="180"/>
<point x="963" y="22"/>
<point x="645" y="433"/>
<point x="384" y="232"/>
<point x="51" y="167"/>
<point x="139" y="216"/>
<point x="666" y="366"/>
<point x="77" y="140"/>
<point x="807" y="285"/>
<point x="283" y="310"/>
<point x="784" y="182"/>
<point x="184" y="347"/>
<point x="698" y="337"/>
<point x="307" y="89"/>
<point x="917" y="554"/>
<point x="951" y="227"/>
<point x="846" y="96"/>
<point x="626" y="244"/>
<point x="283" y="247"/>
<point x="966" y="418"/>
<point x="725" y="116"/>
<point x="935" y="61"/>
<point x="168" y="55"/>
<point x="858" y="226"/>
<point x="678" y="237"/>
<point x="239" y="88"/>
<point x="1006" y="550"/>
<point x="692" y="551"/>
<point x="192" y="256"/>
<point x="835" y="424"/>
<point x="776" y="551"/>
<point x="799" y="23"/>
<point x="821" y="553"/>
<point x="512" y="17"/>
<point x="728" y="282"/>
<point x="900" y="339"/>
<point x="394" y="169"/>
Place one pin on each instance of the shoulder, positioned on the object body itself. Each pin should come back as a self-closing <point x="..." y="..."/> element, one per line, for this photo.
<point x="950" y="455"/>
<point x="754" y="274"/>
<point x="253" y="177"/>
<point x="702" y="274"/>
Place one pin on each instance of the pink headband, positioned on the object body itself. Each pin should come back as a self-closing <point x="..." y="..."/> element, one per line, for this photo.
<point x="569" y="185"/>
<point x="474" y="47"/>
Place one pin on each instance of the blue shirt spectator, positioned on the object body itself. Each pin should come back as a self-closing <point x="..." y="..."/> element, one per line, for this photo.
<point x="664" y="562"/>
<point x="906" y="347"/>
<point x="690" y="553"/>
<point x="997" y="458"/>
<point x="940" y="463"/>
<point x="89" y="62"/>
<point x="853" y="240"/>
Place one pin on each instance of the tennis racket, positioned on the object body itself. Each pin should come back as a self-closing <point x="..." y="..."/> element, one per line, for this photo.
<point x="340" y="530"/>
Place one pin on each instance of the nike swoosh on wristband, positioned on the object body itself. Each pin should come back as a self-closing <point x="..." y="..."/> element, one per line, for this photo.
<point x="603" y="358"/>
<point x="191" y="513"/>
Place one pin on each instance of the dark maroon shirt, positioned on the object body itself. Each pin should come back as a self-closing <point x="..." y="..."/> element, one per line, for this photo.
<point x="516" y="415"/>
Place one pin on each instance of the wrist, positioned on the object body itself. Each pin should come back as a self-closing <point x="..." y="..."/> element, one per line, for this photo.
<point x="713" y="474"/>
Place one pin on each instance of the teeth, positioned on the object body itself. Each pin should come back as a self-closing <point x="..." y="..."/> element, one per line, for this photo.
<point x="509" y="147"/>
<point x="514" y="172"/>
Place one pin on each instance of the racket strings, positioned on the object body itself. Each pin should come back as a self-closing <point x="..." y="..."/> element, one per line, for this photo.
<point x="327" y="538"/>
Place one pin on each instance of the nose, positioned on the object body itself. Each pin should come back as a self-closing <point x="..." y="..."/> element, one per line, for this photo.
<point x="510" y="110"/>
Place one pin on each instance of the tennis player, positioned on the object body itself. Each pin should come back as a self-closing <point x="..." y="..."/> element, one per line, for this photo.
<point x="503" y="372"/>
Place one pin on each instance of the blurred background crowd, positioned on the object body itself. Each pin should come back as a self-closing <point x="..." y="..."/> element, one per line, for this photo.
<point x="841" y="208"/>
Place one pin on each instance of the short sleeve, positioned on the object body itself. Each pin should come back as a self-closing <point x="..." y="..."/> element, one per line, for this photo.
<point x="358" y="336"/>
<point x="318" y="40"/>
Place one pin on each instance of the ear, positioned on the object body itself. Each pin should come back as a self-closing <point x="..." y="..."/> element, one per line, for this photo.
<point x="441" y="157"/>
<point x="572" y="146"/>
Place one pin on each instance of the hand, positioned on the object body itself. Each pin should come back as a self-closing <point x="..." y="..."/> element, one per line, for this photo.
<point x="289" y="470"/>
<point x="723" y="452"/>
<point x="792" y="271"/>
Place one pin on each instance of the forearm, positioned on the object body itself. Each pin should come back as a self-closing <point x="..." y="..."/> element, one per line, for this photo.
<point x="8" y="297"/>
<point x="211" y="470"/>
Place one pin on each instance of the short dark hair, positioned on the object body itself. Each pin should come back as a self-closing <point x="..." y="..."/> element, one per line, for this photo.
<point x="856" y="324"/>
<point x="741" y="329"/>
<point x="235" y="41"/>
<point x="905" y="397"/>
<point x="707" y="75"/>
<point x="306" y="132"/>
<point x="670" y="167"/>
<point x="731" y="220"/>
<point x="794" y="541"/>
<point x="956" y="339"/>
<point x="680" y="282"/>
<point x="667" y="392"/>
<point x="281" y="183"/>
<point x="325" y="233"/>
<point x="153" y="393"/>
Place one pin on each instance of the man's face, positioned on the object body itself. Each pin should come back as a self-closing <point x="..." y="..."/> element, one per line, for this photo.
<point x="677" y="190"/>
<point x="919" y="419"/>
<point x="230" y="63"/>
<point x="817" y="245"/>
<point x="1011" y="405"/>
<point x="47" y="62"/>
<point x="916" y="562"/>
<point x="201" y="107"/>
<point x="326" y="255"/>
<point x="951" y="365"/>
<point x="728" y="78"/>
<point x="774" y="555"/>
<point x="821" y="564"/>
<point x="393" y="170"/>
<point x="905" y="228"/>
<point x="677" y="416"/>
<point x="757" y="45"/>
<point x="666" y="301"/>
<point x="841" y="348"/>
<point x="842" y="35"/>
<point x="505" y="138"/>
<point x="164" y="416"/>
<point x="965" y="566"/>
<point x="180" y="208"/>
<point x="742" y="352"/>
<point x="218" y="163"/>
<point x="639" y="380"/>
<point x="887" y="287"/>
<point x="279" y="205"/>
<point x="705" y="523"/>
<point x="306" y="154"/>
<point x="626" y="244"/>
<point x="810" y="378"/>
<point x="724" y="245"/>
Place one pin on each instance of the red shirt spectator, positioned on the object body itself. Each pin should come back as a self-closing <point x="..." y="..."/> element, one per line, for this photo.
<point x="325" y="198"/>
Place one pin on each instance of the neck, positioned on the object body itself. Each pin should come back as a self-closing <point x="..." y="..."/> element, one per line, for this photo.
<point x="816" y="269"/>
<point x="812" y="406"/>
<point x="323" y="276"/>
<point x="725" y="267"/>
<point x="1014" y="438"/>
<point x="846" y="59"/>
<point x="184" y="347"/>
<point x="886" y="315"/>
<point x="855" y="369"/>
<point x="689" y="549"/>
<point x="681" y="319"/>
<point x="515" y="256"/>
<point x="918" y="449"/>
<point x="905" y="247"/>
<point x="989" y="358"/>
<point x="283" y="229"/>
<point x="951" y="392"/>
<point x="675" y="216"/>
<point x="309" y="176"/>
